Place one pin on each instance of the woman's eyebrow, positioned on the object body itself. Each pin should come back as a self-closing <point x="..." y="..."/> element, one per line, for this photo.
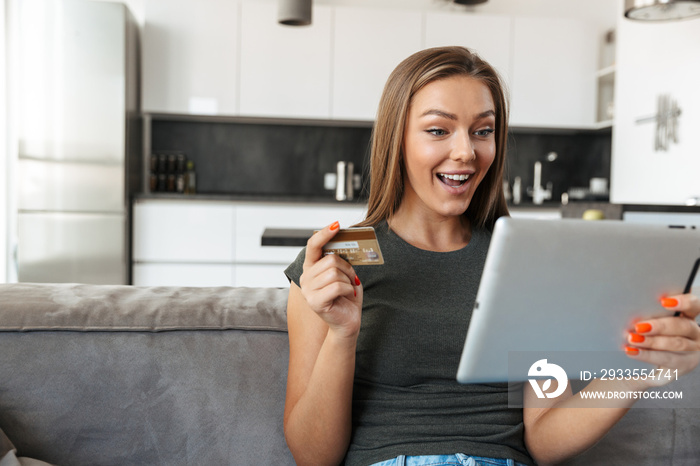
<point x="485" y="114"/>
<point x="452" y="116"/>
<point x="440" y="113"/>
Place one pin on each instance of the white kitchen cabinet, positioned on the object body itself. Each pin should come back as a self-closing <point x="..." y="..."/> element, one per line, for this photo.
<point x="490" y="36"/>
<point x="285" y="70"/>
<point x="198" y="275"/>
<point x="218" y="243"/>
<point x="184" y="231"/>
<point x="554" y="73"/>
<point x="368" y="44"/>
<point x="253" y="219"/>
<point x="189" y="56"/>
<point x="655" y="60"/>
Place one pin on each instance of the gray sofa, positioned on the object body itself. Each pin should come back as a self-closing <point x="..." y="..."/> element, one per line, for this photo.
<point x="120" y="375"/>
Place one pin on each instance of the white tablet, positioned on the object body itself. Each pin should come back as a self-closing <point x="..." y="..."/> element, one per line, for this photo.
<point x="569" y="291"/>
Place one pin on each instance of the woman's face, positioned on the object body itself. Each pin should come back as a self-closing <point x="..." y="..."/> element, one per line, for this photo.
<point x="449" y="145"/>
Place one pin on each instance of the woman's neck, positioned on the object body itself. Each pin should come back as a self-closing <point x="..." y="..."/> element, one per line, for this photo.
<point x="431" y="233"/>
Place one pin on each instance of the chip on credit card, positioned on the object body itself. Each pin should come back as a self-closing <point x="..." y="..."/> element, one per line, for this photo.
<point x="359" y="246"/>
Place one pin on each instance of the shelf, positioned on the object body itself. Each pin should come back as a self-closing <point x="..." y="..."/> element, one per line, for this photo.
<point x="606" y="96"/>
<point x="604" y="124"/>
<point x="606" y="73"/>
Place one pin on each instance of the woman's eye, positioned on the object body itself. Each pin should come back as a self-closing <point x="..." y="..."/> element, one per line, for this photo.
<point x="484" y="132"/>
<point x="437" y="131"/>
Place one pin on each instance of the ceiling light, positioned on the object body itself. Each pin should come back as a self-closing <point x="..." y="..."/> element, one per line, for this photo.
<point x="294" y="12"/>
<point x="661" y="10"/>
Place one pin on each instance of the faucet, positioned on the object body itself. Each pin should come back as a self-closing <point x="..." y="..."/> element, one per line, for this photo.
<point x="540" y="194"/>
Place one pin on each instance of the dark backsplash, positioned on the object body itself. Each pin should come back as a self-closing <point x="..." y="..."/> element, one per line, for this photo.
<point x="265" y="159"/>
<point x="581" y="155"/>
<point x="291" y="159"/>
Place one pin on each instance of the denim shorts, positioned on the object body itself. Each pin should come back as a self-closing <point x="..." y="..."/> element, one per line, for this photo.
<point x="458" y="459"/>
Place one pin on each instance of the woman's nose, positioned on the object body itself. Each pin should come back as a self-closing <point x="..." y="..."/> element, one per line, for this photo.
<point x="463" y="149"/>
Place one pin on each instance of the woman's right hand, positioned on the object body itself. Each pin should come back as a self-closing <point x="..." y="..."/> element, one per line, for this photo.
<point x="330" y="286"/>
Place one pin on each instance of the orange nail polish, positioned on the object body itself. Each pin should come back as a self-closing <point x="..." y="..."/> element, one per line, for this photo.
<point x="669" y="302"/>
<point x="357" y="280"/>
<point x="632" y="351"/>
<point x="335" y="226"/>
<point x="642" y="327"/>
<point x="635" y="338"/>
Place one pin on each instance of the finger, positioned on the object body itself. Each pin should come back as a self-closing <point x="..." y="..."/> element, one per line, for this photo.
<point x="669" y="334"/>
<point x="662" y="343"/>
<point x="688" y="304"/>
<point x="328" y="263"/>
<point x="322" y="299"/>
<point x="328" y="270"/>
<point x="667" y="326"/>
<point x="684" y="362"/>
<point x="314" y="246"/>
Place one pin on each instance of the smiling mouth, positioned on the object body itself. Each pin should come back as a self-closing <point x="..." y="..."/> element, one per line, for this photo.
<point x="454" y="181"/>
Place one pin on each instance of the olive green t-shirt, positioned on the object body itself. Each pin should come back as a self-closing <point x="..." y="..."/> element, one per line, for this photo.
<point x="406" y="400"/>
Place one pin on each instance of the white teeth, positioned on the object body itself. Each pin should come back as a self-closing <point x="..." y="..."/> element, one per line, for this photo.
<point x="454" y="177"/>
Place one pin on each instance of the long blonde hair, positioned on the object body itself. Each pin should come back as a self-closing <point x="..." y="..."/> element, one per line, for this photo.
<point x="386" y="159"/>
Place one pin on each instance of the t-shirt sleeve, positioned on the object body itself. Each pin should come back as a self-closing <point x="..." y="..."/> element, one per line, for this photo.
<point x="295" y="269"/>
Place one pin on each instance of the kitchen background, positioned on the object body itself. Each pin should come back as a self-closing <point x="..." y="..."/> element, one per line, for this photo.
<point x="265" y="112"/>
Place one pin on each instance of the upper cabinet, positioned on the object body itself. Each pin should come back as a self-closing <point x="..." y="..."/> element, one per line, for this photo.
<point x="554" y="73"/>
<point x="549" y="64"/>
<point x="467" y="30"/>
<point x="368" y="44"/>
<point x="656" y="142"/>
<point x="233" y="58"/>
<point x="189" y="56"/>
<point x="285" y="70"/>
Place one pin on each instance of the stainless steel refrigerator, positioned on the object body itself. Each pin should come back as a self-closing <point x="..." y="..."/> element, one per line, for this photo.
<point x="79" y="140"/>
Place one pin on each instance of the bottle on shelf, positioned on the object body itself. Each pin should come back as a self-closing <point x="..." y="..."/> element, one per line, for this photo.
<point x="169" y="172"/>
<point x="190" y="179"/>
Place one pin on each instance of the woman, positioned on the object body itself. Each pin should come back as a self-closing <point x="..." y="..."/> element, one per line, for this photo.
<point x="374" y="349"/>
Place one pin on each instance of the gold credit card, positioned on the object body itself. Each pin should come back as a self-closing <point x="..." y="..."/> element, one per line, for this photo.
<point x="359" y="246"/>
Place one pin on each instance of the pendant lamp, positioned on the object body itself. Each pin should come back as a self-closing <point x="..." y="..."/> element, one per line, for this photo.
<point x="661" y="10"/>
<point x="294" y="12"/>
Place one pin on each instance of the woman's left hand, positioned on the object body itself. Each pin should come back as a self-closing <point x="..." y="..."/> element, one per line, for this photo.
<point x="671" y="342"/>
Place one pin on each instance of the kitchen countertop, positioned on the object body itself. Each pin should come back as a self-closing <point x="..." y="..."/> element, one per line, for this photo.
<point x="297" y="199"/>
<point x="248" y="198"/>
<point x="285" y="236"/>
<point x="360" y="201"/>
<point x="297" y="237"/>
